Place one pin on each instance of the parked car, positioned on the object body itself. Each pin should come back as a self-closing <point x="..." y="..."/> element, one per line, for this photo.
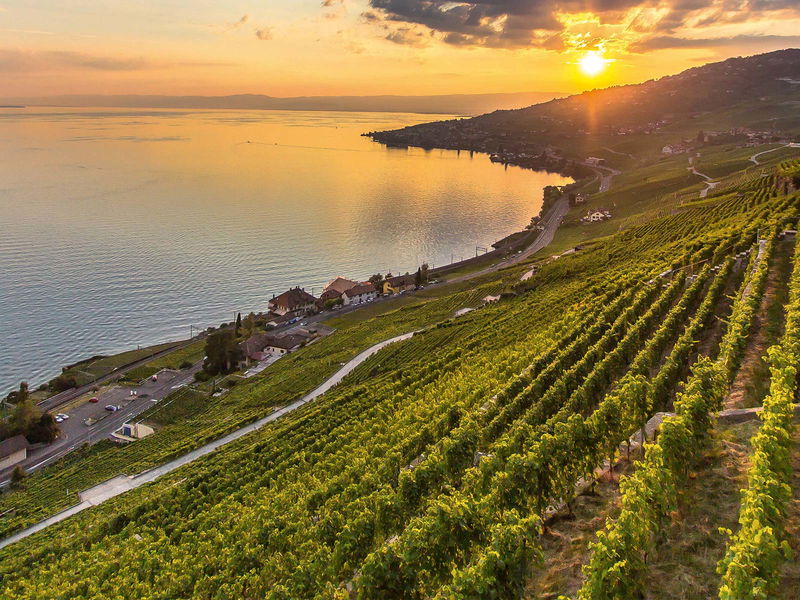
<point x="93" y="399"/>
<point x="111" y="408"/>
<point x="58" y="419"/>
<point x="63" y="416"/>
<point x="154" y="378"/>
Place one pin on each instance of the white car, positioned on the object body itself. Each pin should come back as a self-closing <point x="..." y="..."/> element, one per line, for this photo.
<point x="63" y="416"/>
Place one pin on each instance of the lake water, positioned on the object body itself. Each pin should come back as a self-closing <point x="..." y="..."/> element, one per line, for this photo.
<point x="123" y="227"/>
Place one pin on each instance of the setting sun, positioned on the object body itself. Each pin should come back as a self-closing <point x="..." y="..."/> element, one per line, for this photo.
<point x="592" y="63"/>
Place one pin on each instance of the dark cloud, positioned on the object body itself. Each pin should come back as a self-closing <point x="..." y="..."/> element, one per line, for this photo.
<point x="533" y="23"/>
<point x="265" y="33"/>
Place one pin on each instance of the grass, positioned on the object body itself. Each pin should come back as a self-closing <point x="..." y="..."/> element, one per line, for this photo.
<point x="565" y="544"/>
<point x="191" y="353"/>
<point x="684" y="565"/>
<point x="89" y="370"/>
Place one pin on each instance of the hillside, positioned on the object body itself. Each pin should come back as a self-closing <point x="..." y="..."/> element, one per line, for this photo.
<point x="757" y="92"/>
<point x="496" y="452"/>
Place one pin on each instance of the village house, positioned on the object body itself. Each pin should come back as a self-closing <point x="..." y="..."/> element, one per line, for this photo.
<point x="358" y="294"/>
<point x="252" y="349"/>
<point x="13" y="451"/>
<point x="329" y="295"/>
<point x="399" y="283"/>
<point x="279" y="346"/>
<point x="596" y="216"/>
<point x="594" y="161"/>
<point x="339" y="285"/>
<point x="295" y="300"/>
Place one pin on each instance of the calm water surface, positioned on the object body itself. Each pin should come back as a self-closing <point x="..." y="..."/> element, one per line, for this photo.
<point x="123" y="227"/>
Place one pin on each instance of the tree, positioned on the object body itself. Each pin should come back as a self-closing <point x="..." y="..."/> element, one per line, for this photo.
<point x="238" y="325"/>
<point x="249" y="325"/>
<point x="25" y="412"/>
<point x="222" y="352"/>
<point x="17" y="476"/>
<point x="421" y="276"/>
<point x="377" y="281"/>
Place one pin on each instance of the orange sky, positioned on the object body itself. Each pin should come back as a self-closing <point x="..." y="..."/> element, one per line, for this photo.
<point x="366" y="47"/>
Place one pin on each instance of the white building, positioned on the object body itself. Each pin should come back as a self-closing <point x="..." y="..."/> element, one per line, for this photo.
<point x="130" y="432"/>
<point x="359" y="294"/>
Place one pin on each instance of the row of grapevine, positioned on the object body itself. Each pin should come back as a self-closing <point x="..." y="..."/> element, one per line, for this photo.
<point x="396" y="569"/>
<point x="618" y="561"/>
<point x="621" y="412"/>
<point x="755" y="553"/>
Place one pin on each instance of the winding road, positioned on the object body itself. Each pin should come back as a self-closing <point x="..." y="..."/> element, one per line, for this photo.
<point x="123" y="483"/>
<point x="754" y="158"/>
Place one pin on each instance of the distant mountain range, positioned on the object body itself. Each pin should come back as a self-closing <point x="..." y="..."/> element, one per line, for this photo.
<point x="457" y="104"/>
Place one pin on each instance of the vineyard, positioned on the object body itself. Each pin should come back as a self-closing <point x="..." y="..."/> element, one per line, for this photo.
<point x="436" y="468"/>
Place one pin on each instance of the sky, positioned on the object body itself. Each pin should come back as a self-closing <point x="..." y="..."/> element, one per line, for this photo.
<point x="371" y="47"/>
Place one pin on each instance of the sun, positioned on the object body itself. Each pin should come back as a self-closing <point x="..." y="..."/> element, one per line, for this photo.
<point x="592" y="63"/>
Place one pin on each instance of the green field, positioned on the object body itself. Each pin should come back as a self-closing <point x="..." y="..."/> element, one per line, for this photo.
<point x="94" y="368"/>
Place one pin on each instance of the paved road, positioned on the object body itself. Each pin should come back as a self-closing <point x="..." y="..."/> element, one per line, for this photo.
<point x="75" y="432"/>
<point x="66" y="396"/>
<point x="551" y="222"/>
<point x="122" y="483"/>
<point x="606" y="174"/>
<point x="754" y="158"/>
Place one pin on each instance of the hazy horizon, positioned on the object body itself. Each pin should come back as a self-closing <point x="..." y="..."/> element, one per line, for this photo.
<point x="371" y="47"/>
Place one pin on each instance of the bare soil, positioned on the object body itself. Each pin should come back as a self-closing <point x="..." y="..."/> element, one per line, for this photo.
<point x="566" y="543"/>
<point x="752" y="381"/>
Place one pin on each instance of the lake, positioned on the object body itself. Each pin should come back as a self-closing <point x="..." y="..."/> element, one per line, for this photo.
<point x="122" y="227"/>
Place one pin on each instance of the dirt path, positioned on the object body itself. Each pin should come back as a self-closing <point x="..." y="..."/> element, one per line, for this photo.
<point x="684" y="565"/>
<point x="566" y="544"/>
<point x="752" y="380"/>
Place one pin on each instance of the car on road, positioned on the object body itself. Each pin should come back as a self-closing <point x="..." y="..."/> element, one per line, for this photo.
<point x="111" y="408"/>
<point x="93" y="399"/>
<point x="58" y="419"/>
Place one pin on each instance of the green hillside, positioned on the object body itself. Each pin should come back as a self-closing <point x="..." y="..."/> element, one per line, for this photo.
<point x="491" y="454"/>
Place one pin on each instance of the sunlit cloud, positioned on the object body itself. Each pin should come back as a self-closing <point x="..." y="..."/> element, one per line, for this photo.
<point x="264" y="34"/>
<point x="612" y="27"/>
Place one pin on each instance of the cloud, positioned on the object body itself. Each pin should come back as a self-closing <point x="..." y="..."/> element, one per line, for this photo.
<point x="265" y="33"/>
<point x="237" y="24"/>
<point x="19" y="61"/>
<point x="539" y="23"/>
<point x="408" y="36"/>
